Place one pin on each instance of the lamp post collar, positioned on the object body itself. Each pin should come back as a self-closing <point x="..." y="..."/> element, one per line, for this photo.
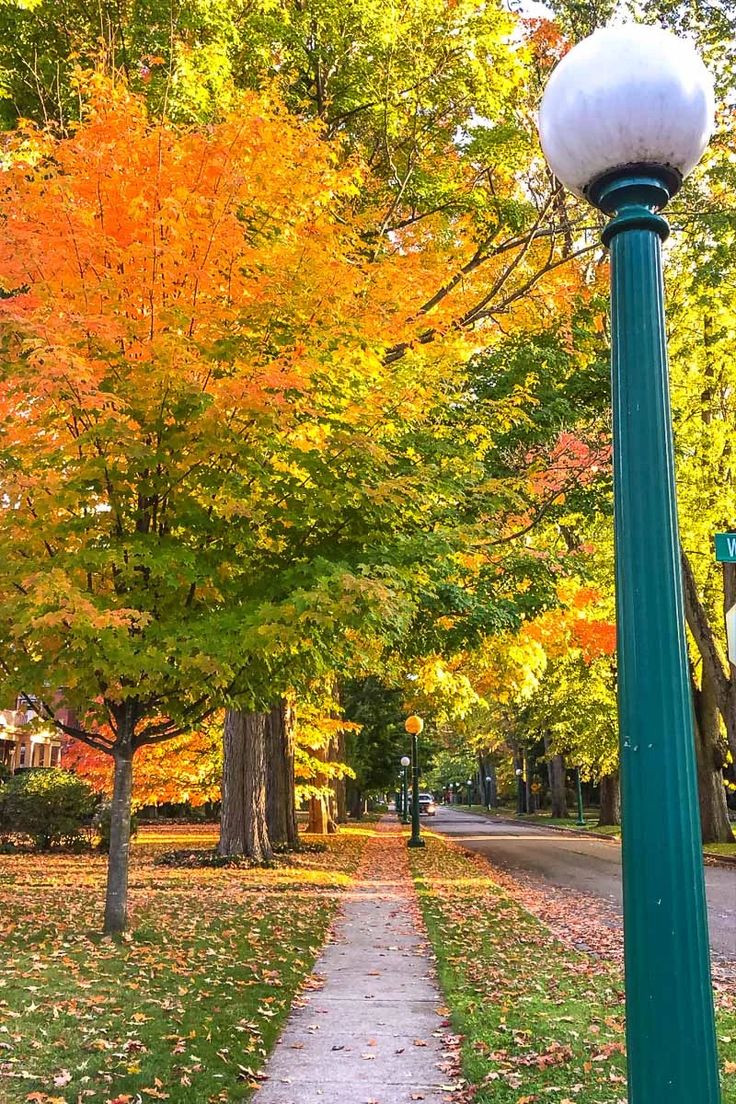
<point x="634" y="195"/>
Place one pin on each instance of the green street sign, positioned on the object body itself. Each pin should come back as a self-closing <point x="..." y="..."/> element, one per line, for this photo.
<point x="726" y="547"/>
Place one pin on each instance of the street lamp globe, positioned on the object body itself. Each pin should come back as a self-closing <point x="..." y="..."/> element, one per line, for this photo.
<point x="405" y="760"/>
<point x="631" y="96"/>
<point x="518" y="772"/>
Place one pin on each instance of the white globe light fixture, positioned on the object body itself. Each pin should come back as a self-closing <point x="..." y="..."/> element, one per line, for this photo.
<point x="405" y="762"/>
<point x="625" y="117"/>
<point x="629" y="96"/>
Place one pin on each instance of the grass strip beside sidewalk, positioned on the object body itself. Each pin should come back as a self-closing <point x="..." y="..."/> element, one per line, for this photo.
<point x="540" y="1022"/>
<point x="187" y="1007"/>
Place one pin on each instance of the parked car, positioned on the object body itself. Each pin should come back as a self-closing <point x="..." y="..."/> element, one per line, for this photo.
<point x="427" y="805"/>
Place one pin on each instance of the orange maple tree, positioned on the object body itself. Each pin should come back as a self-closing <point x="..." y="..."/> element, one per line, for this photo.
<point x="194" y="409"/>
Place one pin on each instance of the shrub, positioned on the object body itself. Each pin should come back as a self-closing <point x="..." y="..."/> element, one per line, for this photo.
<point x="101" y="824"/>
<point x="49" y="805"/>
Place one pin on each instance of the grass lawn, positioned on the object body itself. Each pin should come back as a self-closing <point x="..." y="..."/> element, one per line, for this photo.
<point x="590" y="816"/>
<point x="541" y="1023"/>
<point x="591" y="825"/>
<point x="727" y="849"/>
<point x="188" y="1005"/>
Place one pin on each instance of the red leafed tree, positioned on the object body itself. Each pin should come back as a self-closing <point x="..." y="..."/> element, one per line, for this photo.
<point x="186" y="769"/>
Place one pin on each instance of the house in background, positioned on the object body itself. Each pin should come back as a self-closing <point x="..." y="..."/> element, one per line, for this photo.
<point x="23" y="744"/>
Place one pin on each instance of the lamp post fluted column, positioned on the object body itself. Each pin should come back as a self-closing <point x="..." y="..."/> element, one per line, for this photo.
<point x="414" y="726"/>
<point x="665" y="913"/>
<point x="625" y="116"/>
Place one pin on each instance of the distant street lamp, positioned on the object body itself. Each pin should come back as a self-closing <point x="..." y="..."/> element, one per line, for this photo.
<point x="520" y="803"/>
<point x="469" y="791"/>
<point x="405" y="761"/>
<point x="414" y="726"/>
<point x="625" y="117"/>
<point x="579" y="787"/>
<point x="488" y="792"/>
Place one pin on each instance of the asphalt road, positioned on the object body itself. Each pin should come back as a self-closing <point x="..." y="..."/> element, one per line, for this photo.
<point x="588" y="865"/>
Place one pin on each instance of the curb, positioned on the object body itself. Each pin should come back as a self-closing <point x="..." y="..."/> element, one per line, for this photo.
<point x="709" y="857"/>
<point x="719" y="860"/>
<point x="551" y="828"/>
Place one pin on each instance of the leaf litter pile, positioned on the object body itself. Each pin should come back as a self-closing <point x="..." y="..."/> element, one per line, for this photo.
<point x="535" y="987"/>
<point x="187" y="1006"/>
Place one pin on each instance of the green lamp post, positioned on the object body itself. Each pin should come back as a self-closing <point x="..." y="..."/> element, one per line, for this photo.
<point x="405" y="761"/>
<point x="626" y="115"/>
<point x="414" y="726"/>
<point x="579" y="788"/>
<point x="520" y="795"/>
<point x="469" y="791"/>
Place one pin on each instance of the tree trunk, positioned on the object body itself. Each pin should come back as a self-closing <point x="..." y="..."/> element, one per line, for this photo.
<point x="610" y="811"/>
<point x="557" y="781"/>
<point x="715" y="824"/>
<point x="723" y="683"/>
<point x="232" y="814"/>
<point x="320" y="821"/>
<point x="332" y="757"/>
<point x="341" y="805"/>
<point x="728" y="709"/>
<point x="280" y="800"/>
<point x="257" y="844"/>
<point x="355" y="801"/>
<point x="116" y="900"/>
<point x="318" y="818"/>
<point x="288" y="713"/>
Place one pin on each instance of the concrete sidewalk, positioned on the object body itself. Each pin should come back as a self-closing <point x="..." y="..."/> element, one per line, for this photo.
<point x="373" y="1034"/>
